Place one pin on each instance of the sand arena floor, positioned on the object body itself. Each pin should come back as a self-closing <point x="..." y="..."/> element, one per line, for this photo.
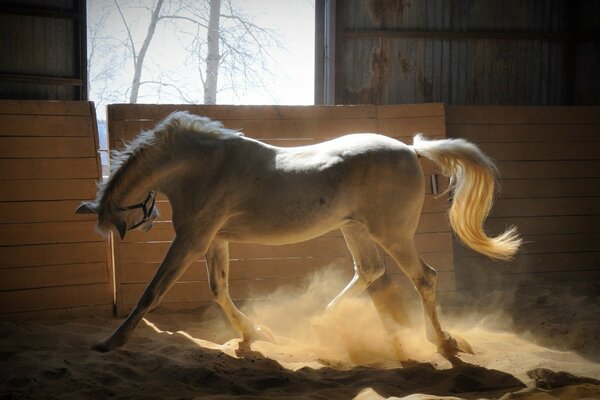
<point x="340" y="355"/>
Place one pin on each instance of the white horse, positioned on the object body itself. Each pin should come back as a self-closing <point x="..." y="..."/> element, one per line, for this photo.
<point x="225" y="187"/>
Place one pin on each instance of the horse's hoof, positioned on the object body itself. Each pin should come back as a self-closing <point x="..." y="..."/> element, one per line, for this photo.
<point x="265" y="333"/>
<point x="107" y="345"/>
<point x="452" y="346"/>
<point x="101" y="347"/>
<point x="259" y="332"/>
<point x="462" y="345"/>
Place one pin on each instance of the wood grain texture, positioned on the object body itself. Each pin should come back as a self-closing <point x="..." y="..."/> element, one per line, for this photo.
<point x="548" y="159"/>
<point x="50" y="258"/>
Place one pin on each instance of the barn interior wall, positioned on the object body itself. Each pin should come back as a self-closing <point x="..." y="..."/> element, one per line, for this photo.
<point x="43" y="50"/>
<point x="51" y="260"/>
<point x="467" y="53"/>
<point x="549" y="163"/>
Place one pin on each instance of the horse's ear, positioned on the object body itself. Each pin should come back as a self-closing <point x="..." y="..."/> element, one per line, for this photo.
<point x="86" y="208"/>
<point x="122" y="228"/>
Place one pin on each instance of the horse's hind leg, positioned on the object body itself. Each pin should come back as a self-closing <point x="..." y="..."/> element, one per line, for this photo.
<point x="217" y="264"/>
<point x="368" y="263"/>
<point x="369" y="273"/>
<point x="424" y="280"/>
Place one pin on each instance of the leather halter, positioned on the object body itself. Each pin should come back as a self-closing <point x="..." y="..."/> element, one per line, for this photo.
<point x="144" y="206"/>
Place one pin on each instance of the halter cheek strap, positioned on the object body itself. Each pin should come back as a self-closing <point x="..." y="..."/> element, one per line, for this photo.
<point x="145" y="208"/>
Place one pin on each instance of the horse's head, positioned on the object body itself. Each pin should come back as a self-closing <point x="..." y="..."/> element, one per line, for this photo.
<point x="137" y="216"/>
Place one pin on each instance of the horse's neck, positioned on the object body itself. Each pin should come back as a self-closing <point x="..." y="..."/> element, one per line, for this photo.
<point x="135" y="181"/>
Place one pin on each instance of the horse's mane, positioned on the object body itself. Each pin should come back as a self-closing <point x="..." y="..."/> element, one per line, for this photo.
<point x="174" y="125"/>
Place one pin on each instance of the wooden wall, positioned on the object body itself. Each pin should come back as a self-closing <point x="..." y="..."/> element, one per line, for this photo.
<point x="463" y="52"/>
<point x="549" y="161"/>
<point x="256" y="269"/>
<point x="50" y="258"/>
<point x="43" y="52"/>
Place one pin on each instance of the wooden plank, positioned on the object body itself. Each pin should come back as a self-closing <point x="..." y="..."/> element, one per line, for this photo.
<point x="42" y="211"/>
<point x="52" y="254"/>
<point x="44" y="107"/>
<point x="546" y="207"/>
<point x="48" y="168"/>
<point x="431" y="223"/>
<point x="219" y="112"/>
<point x="431" y="127"/>
<point x="102" y="310"/>
<point x="305" y="129"/>
<point x="544" y="188"/>
<point x="54" y="297"/>
<point x="47" y="189"/>
<point x="46" y="147"/>
<point x="411" y="110"/>
<point x="485" y="133"/>
<point x="44" y="125"/>
<point x="547" y="224"/>
<point x="434" y="242"/>
<point x="52" y="275"/>
<point x="240" y="269"/>
<point x="498" y="115"/>
<point x="548" y="169"/>
<point x="181" y="292"/>
<point x="531" y="263"/>
<point x="48" y="232"/>
<point x="541" y="151"/>
<point x="440" y="261"/>
<point x="576" y="281"/>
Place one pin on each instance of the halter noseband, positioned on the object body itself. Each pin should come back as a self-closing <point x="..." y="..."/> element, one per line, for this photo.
<point x="144" y="206"/>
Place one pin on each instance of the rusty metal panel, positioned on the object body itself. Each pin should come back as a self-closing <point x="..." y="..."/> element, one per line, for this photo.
<point x="467" y="52"/>
<point x="43" y="52"/>
<point x="457" y="15"/>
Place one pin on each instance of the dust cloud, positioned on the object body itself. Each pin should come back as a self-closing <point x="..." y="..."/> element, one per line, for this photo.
<point x="350" y="334"/>
<point x="507" y="330"/>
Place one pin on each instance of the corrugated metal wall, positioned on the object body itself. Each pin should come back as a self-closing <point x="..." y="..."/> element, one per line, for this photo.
<point x="43" y="50"/>
<point x="513" y="52"/>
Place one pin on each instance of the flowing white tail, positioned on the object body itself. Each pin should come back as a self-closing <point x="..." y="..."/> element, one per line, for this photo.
<point x="472" y="179"/>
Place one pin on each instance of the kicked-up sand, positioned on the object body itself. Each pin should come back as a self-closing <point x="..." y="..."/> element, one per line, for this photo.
<point x="340" y="354"/>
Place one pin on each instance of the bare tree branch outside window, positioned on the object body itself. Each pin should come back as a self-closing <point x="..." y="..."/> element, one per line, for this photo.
<point x="226" y="48"/>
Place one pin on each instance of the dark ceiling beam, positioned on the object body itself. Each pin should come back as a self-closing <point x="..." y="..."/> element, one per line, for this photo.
<point x="39" y="12"/>
<point x="40" y="79"/>
<point x="482" y="35"/>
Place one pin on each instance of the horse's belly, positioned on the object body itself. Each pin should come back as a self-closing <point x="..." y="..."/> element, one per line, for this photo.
<point x="278" y="230"/>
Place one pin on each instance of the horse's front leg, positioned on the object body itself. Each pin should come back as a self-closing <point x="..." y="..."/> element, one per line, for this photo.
<point x="217" y="265"/>
<point x="182" y="252"/>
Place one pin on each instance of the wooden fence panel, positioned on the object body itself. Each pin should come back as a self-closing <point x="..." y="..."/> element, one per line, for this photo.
<point x="50" y="258"/>
<point x="257" y="269"/>
<point x="549" y="163"/>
